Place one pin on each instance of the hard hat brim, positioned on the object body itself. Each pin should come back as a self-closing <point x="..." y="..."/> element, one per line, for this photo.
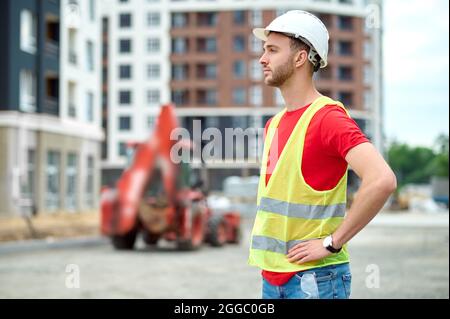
<point x="260" y="33"/>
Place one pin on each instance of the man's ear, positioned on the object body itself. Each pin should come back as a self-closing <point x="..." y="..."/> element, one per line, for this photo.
<point x="301" y="57"/>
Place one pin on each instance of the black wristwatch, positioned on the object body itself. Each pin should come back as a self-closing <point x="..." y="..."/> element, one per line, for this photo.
<point x="328" y="244"/>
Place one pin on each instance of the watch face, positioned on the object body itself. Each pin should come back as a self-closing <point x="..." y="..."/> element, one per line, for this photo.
<point x="327" y="241"/>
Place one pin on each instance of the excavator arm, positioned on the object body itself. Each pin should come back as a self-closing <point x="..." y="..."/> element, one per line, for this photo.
<point x="119" y="206"/>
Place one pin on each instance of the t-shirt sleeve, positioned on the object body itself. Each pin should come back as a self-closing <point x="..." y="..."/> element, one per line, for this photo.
<point x="339" y="132"/>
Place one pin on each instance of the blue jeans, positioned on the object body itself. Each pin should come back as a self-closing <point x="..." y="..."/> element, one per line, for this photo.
<point x="329" y="282"/>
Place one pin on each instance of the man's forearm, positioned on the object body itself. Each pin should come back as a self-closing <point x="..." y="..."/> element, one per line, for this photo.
<point x="371" y="197"/>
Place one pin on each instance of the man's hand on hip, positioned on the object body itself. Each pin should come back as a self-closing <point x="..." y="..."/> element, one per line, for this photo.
<point x="307" y="251"/>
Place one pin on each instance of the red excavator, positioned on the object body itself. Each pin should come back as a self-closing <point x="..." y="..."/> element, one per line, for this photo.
<point x="157" y="197"/>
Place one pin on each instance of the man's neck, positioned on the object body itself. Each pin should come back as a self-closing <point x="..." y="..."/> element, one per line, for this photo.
<point x="298" y="93"/>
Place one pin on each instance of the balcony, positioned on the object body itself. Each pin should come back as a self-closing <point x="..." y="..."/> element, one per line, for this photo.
<point x="51" y="106"/>
<point x="51" y="48"/>
<point x="73" y="57"/>
<point x="72" y="110"/>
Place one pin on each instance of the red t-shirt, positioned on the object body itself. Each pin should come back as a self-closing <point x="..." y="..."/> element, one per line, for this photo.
<point x="330" y="135"/>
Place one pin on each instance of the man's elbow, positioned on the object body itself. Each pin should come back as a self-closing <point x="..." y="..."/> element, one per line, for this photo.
<point x="387" y="183"/>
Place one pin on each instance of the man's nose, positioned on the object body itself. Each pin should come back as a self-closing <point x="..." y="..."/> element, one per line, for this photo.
<point x="263" y="60"/>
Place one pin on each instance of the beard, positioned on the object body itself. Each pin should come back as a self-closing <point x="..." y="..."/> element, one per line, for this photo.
<point x="280" y="74"/>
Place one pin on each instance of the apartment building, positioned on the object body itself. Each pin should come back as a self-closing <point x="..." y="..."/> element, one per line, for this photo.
<point x="50" y="120"/>
<point x="202" y="56"/>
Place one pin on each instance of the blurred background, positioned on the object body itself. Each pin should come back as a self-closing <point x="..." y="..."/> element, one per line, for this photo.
<point x="82" y="84"/>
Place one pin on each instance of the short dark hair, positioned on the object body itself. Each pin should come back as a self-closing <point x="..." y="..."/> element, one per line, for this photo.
<point x="297" y="45"/>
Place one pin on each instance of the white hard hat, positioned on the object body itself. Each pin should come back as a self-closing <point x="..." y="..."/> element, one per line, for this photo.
<point x="304" y="26"/>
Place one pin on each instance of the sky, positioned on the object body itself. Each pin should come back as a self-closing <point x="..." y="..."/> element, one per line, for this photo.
<point x="416" y="70"/>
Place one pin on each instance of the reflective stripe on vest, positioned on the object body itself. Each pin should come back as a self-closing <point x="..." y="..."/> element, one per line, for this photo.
<point x="289" y="210"/>
<point x="273" y="244"/>
<point x="300" y="210"/>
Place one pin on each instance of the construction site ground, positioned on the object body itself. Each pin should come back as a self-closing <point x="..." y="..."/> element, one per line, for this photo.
<point x="399" y="255"/>
<point x="46" y="226"/>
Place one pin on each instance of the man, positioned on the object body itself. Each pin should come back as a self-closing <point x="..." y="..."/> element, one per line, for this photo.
<point x="301" y="229"/>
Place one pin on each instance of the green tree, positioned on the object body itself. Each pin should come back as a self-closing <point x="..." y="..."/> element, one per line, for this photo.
<point x="439" y="165"/>
<point x="419" y="164"/>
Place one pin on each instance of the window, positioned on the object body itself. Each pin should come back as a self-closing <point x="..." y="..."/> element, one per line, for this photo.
<point x="346" y="98"/>
<point x="90" y="107"/>
<point x="239" y="17"/>
<point x="180" y="45"/>
<point x="211" y="97"/>
<point x="28" y="31"/>
<point x="256" y="97"/>
<point x="345" y="48"/>
<point x="256" y="45"/>
<point x="207" y="97"/>
<point x="345" y="73"/>
<point x="206" y="45"/>
<point x="72" y="46"/>
<point x="153" y="19"/>
<point x="255" y="70"/>
<point x="28" y="189"/>
<point x="207" y="71"/>
<point x="124" y="97"/>
<point x="256" y="19"/>
<point x="153" y="96"/>
<point x="239" y="96"/>
<point x="52" y="34"/>
<point x="239" y="43"/>
<point x="90" y="182"/>
<point x="124" y="123"/>
<point x="239" y="69"/>
<point x="345" y="23"/>
<point x="92" y="10"/>
<point x="125" y="46"/>
<point x="180" y="72"/>
<point x="150" y="122"/>
<point x="153" y="45"/>
<point x="208" y="19"/>
<point x="125" y="20"/>
<point x="27" y="91"/>
<point x="71" y="182"/>
<point x="180" y="97"/>
<point x="122" y="149"/>
<point x="153" y="71"/>
<point x="72" y="93"/>
<point x="90" y="55"/>
<point x="125" y="71"/>
<point x="179" y="20"/>
<point x="53" y="170"/>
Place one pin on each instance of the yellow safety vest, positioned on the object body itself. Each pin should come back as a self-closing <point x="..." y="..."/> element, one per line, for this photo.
<point x="289" y="210"/>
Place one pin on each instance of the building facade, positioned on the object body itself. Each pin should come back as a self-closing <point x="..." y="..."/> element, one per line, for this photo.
<point x="202" y="56"/>
<point x="50" y="120"/>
